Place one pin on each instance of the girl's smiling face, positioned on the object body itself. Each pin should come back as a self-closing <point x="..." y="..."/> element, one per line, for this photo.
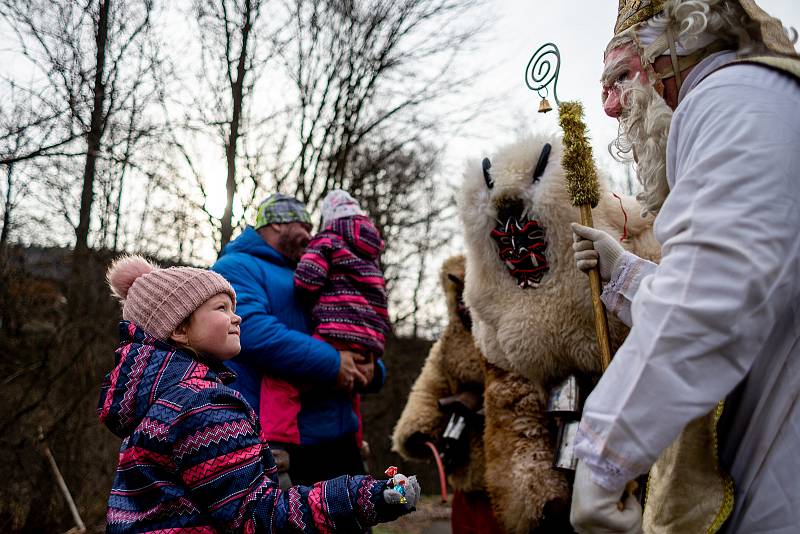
<point x="212" y="330"/>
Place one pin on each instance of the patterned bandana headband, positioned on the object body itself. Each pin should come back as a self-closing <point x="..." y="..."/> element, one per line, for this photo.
<point x="281" y="209"/>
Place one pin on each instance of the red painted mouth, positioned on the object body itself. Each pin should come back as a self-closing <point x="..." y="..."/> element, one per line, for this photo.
<point x="522" y="246"/>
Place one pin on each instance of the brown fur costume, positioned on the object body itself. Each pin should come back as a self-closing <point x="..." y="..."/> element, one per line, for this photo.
<point x="453" y="365"/>
<point x="537" y="336"/>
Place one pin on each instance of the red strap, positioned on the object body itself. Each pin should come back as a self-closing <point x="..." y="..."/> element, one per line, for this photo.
<point x="442" y="478"/>
<point x="625" y="224"/>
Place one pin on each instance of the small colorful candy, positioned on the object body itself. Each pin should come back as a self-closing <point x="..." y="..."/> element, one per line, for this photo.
<point x="397" y="485"/>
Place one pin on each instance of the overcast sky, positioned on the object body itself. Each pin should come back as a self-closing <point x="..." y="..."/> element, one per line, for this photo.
<point x="581" y="29"/>
<point x="514" y="30"/>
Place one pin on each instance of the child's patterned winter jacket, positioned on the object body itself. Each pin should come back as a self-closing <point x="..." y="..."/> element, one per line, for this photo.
<point x="340" y="271"/>
<point x="191" y="459"/>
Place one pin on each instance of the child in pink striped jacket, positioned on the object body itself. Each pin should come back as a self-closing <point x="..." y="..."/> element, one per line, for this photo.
<point x="341" y="277"/>
<point x="191" y="458"/>
<point x="340" y="273"/>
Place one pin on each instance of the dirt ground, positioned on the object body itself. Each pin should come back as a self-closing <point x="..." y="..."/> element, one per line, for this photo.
<point x="431" y="517"/>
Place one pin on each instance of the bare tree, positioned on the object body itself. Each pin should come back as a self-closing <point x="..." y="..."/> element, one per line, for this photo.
<point x="402" y="190"/>
<point x="364" y="68"/>
<point x="233" y="50"/>
<point x="79" y="52"/>
<point x="374" y="83"/>
<point x="26" y="133"/>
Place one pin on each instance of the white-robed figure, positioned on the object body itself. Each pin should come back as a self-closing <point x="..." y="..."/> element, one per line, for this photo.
<point x="707" y="93"/>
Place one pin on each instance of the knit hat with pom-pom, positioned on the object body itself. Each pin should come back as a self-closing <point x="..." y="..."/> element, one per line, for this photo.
<point x="158" y="300"/>
<point x="337" y="204"/>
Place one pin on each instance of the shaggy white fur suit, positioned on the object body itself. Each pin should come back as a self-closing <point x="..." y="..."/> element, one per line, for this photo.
<point x="533" y="337"/>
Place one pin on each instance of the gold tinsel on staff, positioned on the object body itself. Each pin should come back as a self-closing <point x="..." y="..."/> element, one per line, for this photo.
<point x="584" y="192"/>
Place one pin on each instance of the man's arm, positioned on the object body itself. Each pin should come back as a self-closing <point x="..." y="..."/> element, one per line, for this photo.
<point x="267" y="344"/>
<point x="729" y="234"/>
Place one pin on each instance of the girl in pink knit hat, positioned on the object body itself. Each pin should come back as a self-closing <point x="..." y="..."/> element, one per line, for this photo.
<point x="191" y="457"/>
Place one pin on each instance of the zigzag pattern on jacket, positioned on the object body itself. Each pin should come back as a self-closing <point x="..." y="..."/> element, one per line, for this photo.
<point x="212" y="434"/>
<point x="154" y="429"/>
<point x="192" y="461"/>
<point x="180" y="506"/>
<point x="140" y="359"/>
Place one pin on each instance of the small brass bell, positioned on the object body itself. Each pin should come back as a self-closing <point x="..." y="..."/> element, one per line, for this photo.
<point x="544" y="106"/>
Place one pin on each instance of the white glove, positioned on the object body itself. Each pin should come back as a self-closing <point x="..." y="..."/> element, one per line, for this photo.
<point x="592" y="245"/>
<point x="411" y="487"/>
<point x="595" y="510"/>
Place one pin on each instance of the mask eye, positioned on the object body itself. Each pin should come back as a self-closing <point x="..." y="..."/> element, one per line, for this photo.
<point x="505" y="240"/>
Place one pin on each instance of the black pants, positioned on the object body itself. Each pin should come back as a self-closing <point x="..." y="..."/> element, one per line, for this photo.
<point x="314" y="463"/>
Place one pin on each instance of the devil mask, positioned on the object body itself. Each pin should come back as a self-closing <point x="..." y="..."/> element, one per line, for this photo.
<point x="521" y="242"/>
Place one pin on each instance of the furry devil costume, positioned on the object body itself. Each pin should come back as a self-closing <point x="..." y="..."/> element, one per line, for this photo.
<point x="454" y="368"/>
<point x="532" y="312"/>
<point x="453" y="365"/>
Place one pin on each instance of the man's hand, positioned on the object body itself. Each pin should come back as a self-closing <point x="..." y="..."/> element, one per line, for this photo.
<point x="592" y="246"/>
<point x="365" y="365"/>
<point x="349" y="376"/>
<point x="596" y="510"/>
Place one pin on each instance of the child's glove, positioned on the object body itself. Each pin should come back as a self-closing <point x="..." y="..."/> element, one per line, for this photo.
<point x="402" y="490"/>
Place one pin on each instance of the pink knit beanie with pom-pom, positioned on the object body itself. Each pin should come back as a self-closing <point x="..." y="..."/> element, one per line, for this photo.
<point x="158" y="300"/>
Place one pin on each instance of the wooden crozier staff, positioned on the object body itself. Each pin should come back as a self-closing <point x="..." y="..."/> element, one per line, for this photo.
<point x="581" y="177"/>
<point x="584" y="193"/>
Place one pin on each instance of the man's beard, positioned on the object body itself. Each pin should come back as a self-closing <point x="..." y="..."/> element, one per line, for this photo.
<point x="642" y="139"/>
<point x="291" y="248"/>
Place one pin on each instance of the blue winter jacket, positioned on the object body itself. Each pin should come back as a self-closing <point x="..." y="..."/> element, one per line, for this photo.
<point x="276" y="342"/>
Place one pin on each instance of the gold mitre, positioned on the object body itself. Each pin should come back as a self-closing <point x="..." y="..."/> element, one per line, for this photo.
<point x="632" y="12"/>
<point x="770" y="29"/>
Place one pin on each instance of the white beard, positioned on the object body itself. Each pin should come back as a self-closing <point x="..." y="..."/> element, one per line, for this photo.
<point x="642" y="139"/>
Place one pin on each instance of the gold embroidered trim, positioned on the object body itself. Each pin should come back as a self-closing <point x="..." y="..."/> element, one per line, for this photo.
<point x="726" y="507"/>
<point x="631" y="12"/>
<point x="727" y="501"/>
<point x="786" y="64"/>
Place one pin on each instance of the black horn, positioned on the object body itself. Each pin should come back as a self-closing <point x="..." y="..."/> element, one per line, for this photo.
<point x="486" y="176"/>
<point x="542" y="164"/>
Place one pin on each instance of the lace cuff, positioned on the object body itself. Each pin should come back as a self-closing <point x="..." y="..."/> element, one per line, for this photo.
<point x="619" y="291"/>
<point x="606" y="469"/>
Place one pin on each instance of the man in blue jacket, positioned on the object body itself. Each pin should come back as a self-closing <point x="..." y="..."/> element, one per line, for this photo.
<point x="301" y="387"/>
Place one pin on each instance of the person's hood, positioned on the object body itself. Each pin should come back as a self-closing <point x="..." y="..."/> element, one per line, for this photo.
<point x="250" y="242"/>
<point x="360" y="234"/>
<point x="145" y="368"/>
